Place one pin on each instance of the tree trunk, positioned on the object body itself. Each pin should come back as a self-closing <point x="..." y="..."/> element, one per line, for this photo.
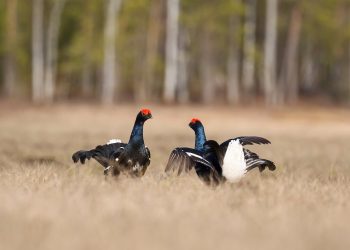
<point x="270" y="73"/>
<point x="10" y="48"/>
<point x="348" y="69"/>
<point x="249" y="48"/>
<point x="289" y="78"/>
<point x="52" y="49"/>
<point x="172" y="50"/>
<point x="38" y="50"/>
<point x="233" y="90"/>
<point x="86" y="77"/>
<point x="182" y="90"/>
<point x="206" y="70"/>
<point x="109" y="67"/>
<point x="144" y="89"/>
<point x="88" y="33"/>
<point x="308" y="73"/>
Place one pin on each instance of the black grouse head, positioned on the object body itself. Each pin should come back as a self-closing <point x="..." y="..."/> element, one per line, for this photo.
<point x="195" y="123"/>
<point x="144" y="115"/>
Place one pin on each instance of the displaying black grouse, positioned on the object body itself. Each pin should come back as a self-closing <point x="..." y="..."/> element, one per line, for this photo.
<point x="216" y="163"/>
<point x="131" y="158"/>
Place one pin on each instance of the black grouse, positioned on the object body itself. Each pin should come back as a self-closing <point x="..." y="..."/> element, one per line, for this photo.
<point x="131" y="158"/>
<point x="216" y="163"/>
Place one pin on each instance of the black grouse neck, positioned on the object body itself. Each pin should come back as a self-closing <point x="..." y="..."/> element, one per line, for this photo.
<point x="200" y="137"/>
<point x="137" y="131"/>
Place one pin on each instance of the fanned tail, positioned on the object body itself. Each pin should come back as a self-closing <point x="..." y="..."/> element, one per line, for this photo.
<point x="103" y="154"/>
<point x="82" y="156"/>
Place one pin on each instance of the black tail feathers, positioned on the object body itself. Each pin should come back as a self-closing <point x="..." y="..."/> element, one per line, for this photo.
<point x="81" y="156"/>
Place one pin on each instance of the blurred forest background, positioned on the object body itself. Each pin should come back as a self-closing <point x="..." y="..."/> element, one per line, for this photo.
<point x="175" y="51"/>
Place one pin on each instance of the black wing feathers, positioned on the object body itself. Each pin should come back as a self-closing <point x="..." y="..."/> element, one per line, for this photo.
<point x="184" y="159"/>
<point x="247" y="140"/>
<point x="253" y="161"/>
<point x="109" y="151"/>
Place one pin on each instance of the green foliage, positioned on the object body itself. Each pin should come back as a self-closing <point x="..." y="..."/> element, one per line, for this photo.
<point x="24" y="43"/>
<point x="81" y="35"/>
<point x="325" y="26"/>
<point x="325" y="29"/>
<point x="133" y="26"/>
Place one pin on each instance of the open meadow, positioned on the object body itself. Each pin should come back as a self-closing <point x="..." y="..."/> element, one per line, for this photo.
<point x="47" y="202"/>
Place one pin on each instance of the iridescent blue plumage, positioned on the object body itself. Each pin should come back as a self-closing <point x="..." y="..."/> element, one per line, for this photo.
<point x="200" y="138"/>
<point x="207" y="158"/>
<point x="137" y="131"/>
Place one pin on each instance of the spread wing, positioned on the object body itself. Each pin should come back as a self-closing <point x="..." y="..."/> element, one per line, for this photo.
<point x="247" y="140"/>
<point x="253" y="160"/>
<point x="108" y="153"/>
<point x="182" y="159"/>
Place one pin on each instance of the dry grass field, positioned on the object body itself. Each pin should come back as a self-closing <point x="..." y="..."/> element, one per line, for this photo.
<point x="46" y="202"/>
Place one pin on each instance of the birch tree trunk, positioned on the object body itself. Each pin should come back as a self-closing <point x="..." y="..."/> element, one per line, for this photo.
<point x="52" y="49"/>
<point x="86" y="77"/>
<point x="270" y="48"/>
<point x="10" y="48"/>
<point x="38" y="50"/>
<point x="172" y="50"/>
<point x="233" y="90"/>
<point x="248" y="69"/>
<point x="348" y="68"/>
<point x="144" y="92"/>
<point x="289" y="74"/>
<point x="206" y="70"/>
<point x="109" y="84"/>
<point x="88" y="33"/>
<point x="183" y="94"/>
<point x="308" y="73"/>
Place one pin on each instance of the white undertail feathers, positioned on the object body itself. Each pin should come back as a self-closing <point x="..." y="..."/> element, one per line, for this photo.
<point x="234" y="166"/>
<point x="111" y="141"/>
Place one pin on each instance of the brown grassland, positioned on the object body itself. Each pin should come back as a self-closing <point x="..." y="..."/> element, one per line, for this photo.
<point x="46" y="202"/>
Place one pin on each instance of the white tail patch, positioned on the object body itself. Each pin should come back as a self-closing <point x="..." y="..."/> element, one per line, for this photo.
<point x="234" y="166"/>
<point x="111" y="141"/>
